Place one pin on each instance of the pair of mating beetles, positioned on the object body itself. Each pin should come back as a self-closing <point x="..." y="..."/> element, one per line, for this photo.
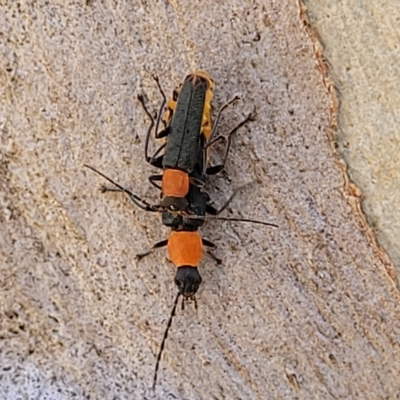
<point x="184" y="159"/>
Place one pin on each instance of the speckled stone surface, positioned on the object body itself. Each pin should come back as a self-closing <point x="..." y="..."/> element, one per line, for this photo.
<point x="361" y="45"/>
<point x="304" y="311"/>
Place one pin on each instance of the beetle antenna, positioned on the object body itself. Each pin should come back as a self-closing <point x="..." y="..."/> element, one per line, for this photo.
<point x="252" y="221"/>
<point x="143" y="204"/>
<point x="164" y="339"/>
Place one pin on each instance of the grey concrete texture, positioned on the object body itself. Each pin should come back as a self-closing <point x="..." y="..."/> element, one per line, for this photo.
<point x="307" y="310"/>
<point x="361" y="45"/>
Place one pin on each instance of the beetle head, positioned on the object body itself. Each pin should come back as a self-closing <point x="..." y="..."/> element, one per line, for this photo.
<point x="188" y="280"/>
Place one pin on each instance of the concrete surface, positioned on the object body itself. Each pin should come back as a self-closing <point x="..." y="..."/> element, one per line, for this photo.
<point x="361" y="45"/>
<point x="305" y="311"/>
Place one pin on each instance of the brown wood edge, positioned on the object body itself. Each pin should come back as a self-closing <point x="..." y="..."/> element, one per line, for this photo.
<point x="352" y="192"/>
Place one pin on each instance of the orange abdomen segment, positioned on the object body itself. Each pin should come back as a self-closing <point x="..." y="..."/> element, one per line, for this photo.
<point x="185" y="248"/>
<point x="175" y="183"/>
<point x="206" y="123"/>
<point x="169" y="110"/>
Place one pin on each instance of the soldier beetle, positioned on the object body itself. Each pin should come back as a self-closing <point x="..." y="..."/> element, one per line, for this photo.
<point x="184" y="158"/>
